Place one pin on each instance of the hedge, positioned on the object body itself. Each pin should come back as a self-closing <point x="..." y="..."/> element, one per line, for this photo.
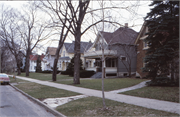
<point x="83" y="73"/>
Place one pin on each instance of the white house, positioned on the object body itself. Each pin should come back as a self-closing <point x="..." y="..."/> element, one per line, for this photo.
<point x="33" y="62"/>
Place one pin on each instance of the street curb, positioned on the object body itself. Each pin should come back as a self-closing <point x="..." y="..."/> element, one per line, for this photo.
<point x="54" y="112"/>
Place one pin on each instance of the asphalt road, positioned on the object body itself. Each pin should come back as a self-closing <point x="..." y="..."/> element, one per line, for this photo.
<point x="13" y="103"/>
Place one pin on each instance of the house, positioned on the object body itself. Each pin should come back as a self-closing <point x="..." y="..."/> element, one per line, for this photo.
<point x="49" y="58"/>
<point x="33" y="62"/>
<point x="67" y="52"/>
<point x="116" y="58"/>
<point x="141" y="50"/>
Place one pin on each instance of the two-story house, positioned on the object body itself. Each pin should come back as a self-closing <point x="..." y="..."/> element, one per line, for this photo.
<point x="67" y="52"/>
<point x="115" y="56"/>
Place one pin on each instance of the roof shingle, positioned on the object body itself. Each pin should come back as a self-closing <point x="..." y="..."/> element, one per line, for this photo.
<point x="123" y="35"/>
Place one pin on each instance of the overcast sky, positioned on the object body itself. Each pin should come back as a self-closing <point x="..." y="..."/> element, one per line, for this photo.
<point x="131" y="19"/>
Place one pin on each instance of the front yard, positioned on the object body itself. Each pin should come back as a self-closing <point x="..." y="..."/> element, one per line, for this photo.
<point x="156" y="92"/>
<point x="160" y="93"/>
<point x="110" y="84"/>
<point x="92" y="106"/>
<point x="45" y="76"/>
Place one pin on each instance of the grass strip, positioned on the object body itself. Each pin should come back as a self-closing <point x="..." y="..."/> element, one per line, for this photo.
<point x="42" y="92"/>
<point x="45" y="76"/>
<point x="109" y="84"/>
<point x="17" y="80"/>
<point x="160" y="93"/>
<point x="92" y="106"/>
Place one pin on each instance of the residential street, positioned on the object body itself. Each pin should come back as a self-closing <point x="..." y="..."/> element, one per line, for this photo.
<point x="13" y="103"/>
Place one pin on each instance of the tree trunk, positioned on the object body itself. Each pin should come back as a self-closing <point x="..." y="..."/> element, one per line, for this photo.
<point x="18" y="69"/>
<point x="77" y="57"/>
<point x="130" y="71"/>
<point x="55" y="62"/>
<point x="172" y="71"/>
<point x="27" y="62"/>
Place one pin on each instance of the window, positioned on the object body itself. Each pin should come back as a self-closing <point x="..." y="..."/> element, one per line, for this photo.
<point x="63" y="53"/>
<point x="60" y="64"/>
<point x="34" y="67"/>
<point x="123" y="58"/>
<point x="113" y="62"/>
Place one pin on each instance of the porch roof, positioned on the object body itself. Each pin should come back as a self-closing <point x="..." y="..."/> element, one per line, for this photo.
<point x="98" y="54"/>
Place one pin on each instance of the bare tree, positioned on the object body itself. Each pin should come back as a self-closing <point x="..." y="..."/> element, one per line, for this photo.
<point x="61" y="22"/>
<point x="10" y="35"/>
<point x="33" y="29"/>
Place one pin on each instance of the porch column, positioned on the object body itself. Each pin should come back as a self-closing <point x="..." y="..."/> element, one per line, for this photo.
<point x="65" y="65"/>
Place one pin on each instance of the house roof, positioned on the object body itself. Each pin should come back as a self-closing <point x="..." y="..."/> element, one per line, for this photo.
<point x="35" y="57"/>
<point x="141" y="32"/>
<point x="84" y="46"/>
<point x="51" y="50"/>
<point x="123" y="35"/>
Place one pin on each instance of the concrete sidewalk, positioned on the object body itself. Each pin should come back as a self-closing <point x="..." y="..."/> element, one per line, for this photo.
<point x="143" y="102"/>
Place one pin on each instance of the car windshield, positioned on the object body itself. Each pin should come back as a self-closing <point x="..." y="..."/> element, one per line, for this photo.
<point x="3" y="75"/>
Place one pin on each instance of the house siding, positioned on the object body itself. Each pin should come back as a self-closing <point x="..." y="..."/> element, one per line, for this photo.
<point x="121" y="67"/>
<point x="140" y="56"/>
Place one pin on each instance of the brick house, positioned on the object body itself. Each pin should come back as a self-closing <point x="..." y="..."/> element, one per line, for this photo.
<point x="141" y="50"/>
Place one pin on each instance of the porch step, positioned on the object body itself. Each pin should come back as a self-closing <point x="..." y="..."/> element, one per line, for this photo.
<point x="97" y="75"/>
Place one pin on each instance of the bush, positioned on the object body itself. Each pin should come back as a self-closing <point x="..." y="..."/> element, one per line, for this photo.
<point x="86" y="74"/>
<point x="162" y="81"/>
<point x="46" y="71"/>
<point x="83" y="73"/>
<point x="70" y="73"/>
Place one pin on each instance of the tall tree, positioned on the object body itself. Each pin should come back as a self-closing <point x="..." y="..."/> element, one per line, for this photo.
<point x="10" y="35"/>
<point x="163" y="39"/>
<point x="32" y="29"/>
<point x="61" y="22"/>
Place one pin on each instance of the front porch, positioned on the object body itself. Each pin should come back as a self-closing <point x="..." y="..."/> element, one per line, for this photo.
<point x="93" y="61"/>
<point x="63" y="63"/>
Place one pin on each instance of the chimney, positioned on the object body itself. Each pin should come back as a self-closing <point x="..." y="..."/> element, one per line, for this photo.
<point x="126" y="25"/>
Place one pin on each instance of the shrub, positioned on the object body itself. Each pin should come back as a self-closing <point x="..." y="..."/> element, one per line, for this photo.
<point x="162" y="81"/>
<point x="70" y="73"/>
<point x="46" y="71"/>
<point x="86" y="74"/>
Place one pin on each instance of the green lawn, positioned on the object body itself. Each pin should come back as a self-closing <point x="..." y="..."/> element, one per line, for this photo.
<point x="42" y="92"/>
<point x="45" y="76"/>
<point x="13" y="80"/>
<point x="92" y="106"/>
<point x="160" y="93"/>
<point x="109" y="84"/>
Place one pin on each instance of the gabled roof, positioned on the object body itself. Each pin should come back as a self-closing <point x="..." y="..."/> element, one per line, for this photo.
<point x="51" y="50"/>
<point x="123" y="35"/>
<point x="35" y="57"/>
<point x="141" y="32"/>
<point x="84" y="46"/>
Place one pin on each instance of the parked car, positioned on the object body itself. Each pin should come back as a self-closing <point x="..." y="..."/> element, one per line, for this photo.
<point x="4" y="79"/>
